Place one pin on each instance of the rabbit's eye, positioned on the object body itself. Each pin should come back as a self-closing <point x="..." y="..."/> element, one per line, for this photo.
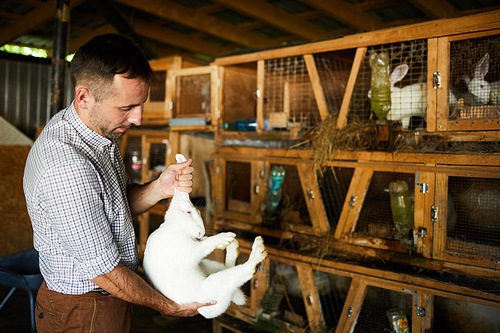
<point x="190" y="212"/>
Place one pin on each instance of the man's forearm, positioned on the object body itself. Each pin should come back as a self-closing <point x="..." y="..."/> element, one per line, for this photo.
<point x="127" y="285"/>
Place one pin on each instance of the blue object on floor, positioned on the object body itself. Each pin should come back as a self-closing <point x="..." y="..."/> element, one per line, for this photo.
<point x="21" y="270"/>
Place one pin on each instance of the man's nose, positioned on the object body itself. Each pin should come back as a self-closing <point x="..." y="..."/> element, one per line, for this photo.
<point x="136" y="116"/>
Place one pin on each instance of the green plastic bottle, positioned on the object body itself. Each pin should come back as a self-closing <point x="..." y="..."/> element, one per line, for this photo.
<point x="380" y="89"/>
<point x="402" y="212"/>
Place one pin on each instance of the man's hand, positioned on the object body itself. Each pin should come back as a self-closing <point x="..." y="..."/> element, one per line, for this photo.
<point x="178" y="176"/>
<point x="142" y="197"/>
<point x="189" y="310"/>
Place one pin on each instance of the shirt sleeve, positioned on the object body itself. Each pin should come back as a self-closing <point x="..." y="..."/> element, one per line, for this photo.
<point x="75" y="209"/>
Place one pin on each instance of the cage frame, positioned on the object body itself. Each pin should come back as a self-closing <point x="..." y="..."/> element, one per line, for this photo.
<point x="260" y="163"/>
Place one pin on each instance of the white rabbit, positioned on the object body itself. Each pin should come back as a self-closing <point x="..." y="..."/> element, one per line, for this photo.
<point x="408" y="101"/>
<point x="481" y="92"/>
<point x="174" y="260"/>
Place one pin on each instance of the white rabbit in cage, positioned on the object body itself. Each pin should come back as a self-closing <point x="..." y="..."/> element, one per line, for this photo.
<point x="480" y="91"/>
<point x="407" y="101"/>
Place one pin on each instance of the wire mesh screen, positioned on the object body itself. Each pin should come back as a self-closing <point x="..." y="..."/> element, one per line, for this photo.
<point x="288" y="89"/>
<point x="373" y="316"/>
<point x="474" y="216"/>
<point x="238" y="175"/>
<point x="283" y="300"/>
<point x="157" y="159"/>
<point x="376" y="218"/>
<point x="292" y="208"/>
<point x="475" y="78"/>
<point x="456" y="316"/>
<point x="334" y="184"/>
<point x="332" y="290"/>
<point x="407" y="66"/>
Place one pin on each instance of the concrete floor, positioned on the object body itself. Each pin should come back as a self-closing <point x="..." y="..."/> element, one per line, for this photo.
<point x="15" y="318"/>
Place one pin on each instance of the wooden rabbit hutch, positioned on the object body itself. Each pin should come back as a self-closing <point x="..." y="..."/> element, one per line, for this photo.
<point x="369" y="222"/>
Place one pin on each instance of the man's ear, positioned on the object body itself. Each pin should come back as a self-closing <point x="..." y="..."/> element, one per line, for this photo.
<point x="83" y="97"/>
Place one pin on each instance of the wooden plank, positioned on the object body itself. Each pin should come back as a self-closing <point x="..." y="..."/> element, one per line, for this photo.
<point x="423" y="204"/>
<point x="354" y="202"/>
<point x="426" y="301"/>
<point x="311" y="298"/>
<point x="441" y="199"/>
<point x="258" y="188"/>
<point x="346" y="101"/>
<point x="313" y="199"/>
<point x="432" y="67"/>
<point x="442" y="110"/>
<point x="438" y="28"/>
<point x="352" y="306"/>
<point x="259" y="285"/>
<point x="260" y="95"/>
<point x="319" y="94"/>
<point x="444" y="288"/>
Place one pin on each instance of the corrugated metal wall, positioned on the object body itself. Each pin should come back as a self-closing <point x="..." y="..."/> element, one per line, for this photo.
<point x="25" y="94"/>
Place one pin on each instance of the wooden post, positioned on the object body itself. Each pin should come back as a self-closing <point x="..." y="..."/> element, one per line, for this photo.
<point x="319" y="94"/>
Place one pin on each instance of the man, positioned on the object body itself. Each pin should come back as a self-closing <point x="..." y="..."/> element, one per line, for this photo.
<point x="81" y="203"/>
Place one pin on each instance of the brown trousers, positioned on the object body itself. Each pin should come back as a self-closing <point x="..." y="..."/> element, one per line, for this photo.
<point x="90" y="312"/>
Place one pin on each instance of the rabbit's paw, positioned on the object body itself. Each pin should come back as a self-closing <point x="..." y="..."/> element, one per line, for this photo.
<point x="232" y="253"/>
<point x="223" y="239"/>
<point x="259" y="252"/>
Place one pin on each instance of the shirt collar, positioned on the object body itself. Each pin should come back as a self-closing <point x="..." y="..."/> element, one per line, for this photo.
<point x="87" y="134"/>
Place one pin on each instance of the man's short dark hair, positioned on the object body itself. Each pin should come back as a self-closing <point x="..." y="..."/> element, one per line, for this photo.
<point x="99" y="60"/>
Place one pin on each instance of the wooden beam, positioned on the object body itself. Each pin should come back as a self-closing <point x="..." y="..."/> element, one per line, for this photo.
<point x="435" y="9"/>
<point x="33" y="19"/>
<point x="353" y="76"/>
<point x="167" y="36"/>
<point x="319" y="94"/>
<point x="443" y="27"/>
<point x="347" y="13"/>
<point x="262" y="10"/>
<point x="76" y="43"/>
<point x="199" y="20"/>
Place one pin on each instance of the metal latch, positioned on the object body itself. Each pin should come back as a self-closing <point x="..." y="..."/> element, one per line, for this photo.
<point x="420" y="310"/>
<point x="424" y="187"/>
<point x="310" y="194"/>
<point x="352" y="201"/>
<point x="422" y="232"/>
<point x="434" y="213"/>
<point x="349" y="312"/>
<point x="436" y="80"/>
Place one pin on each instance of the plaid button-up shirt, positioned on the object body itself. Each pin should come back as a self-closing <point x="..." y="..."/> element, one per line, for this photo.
<point x="75" y="186"/>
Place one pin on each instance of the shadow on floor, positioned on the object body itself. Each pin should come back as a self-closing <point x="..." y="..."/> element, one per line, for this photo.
<point x="15" y="318"/>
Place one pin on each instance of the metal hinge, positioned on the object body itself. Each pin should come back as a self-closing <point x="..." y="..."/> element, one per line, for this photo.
<point x="436" y="80"/>
<point x="434" y="213"/>
<point x="420" y="310"/>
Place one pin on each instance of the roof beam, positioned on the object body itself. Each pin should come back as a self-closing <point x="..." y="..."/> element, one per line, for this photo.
<point x="167" y="36"/>
<point x="276" y="17"/>
<point x="31" y="20"/>
<point x="75" y="43"/>
<point x="172" y="11"/>
<point x="347" y="13"/>
<point x="435" y="9"/>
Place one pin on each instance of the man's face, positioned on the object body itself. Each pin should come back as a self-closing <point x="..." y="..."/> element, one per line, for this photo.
<point x="114" y="115"/>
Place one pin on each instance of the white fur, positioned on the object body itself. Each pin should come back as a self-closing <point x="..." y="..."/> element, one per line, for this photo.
<point x="407" y="101"/>
<point x="174" y="260"/>
<point x="480" y="91"/>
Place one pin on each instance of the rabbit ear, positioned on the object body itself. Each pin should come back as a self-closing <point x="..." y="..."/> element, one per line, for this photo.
<point x="466" y="78"/>
<point x="482" y="67"/>
<point x="398" y="74"/>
